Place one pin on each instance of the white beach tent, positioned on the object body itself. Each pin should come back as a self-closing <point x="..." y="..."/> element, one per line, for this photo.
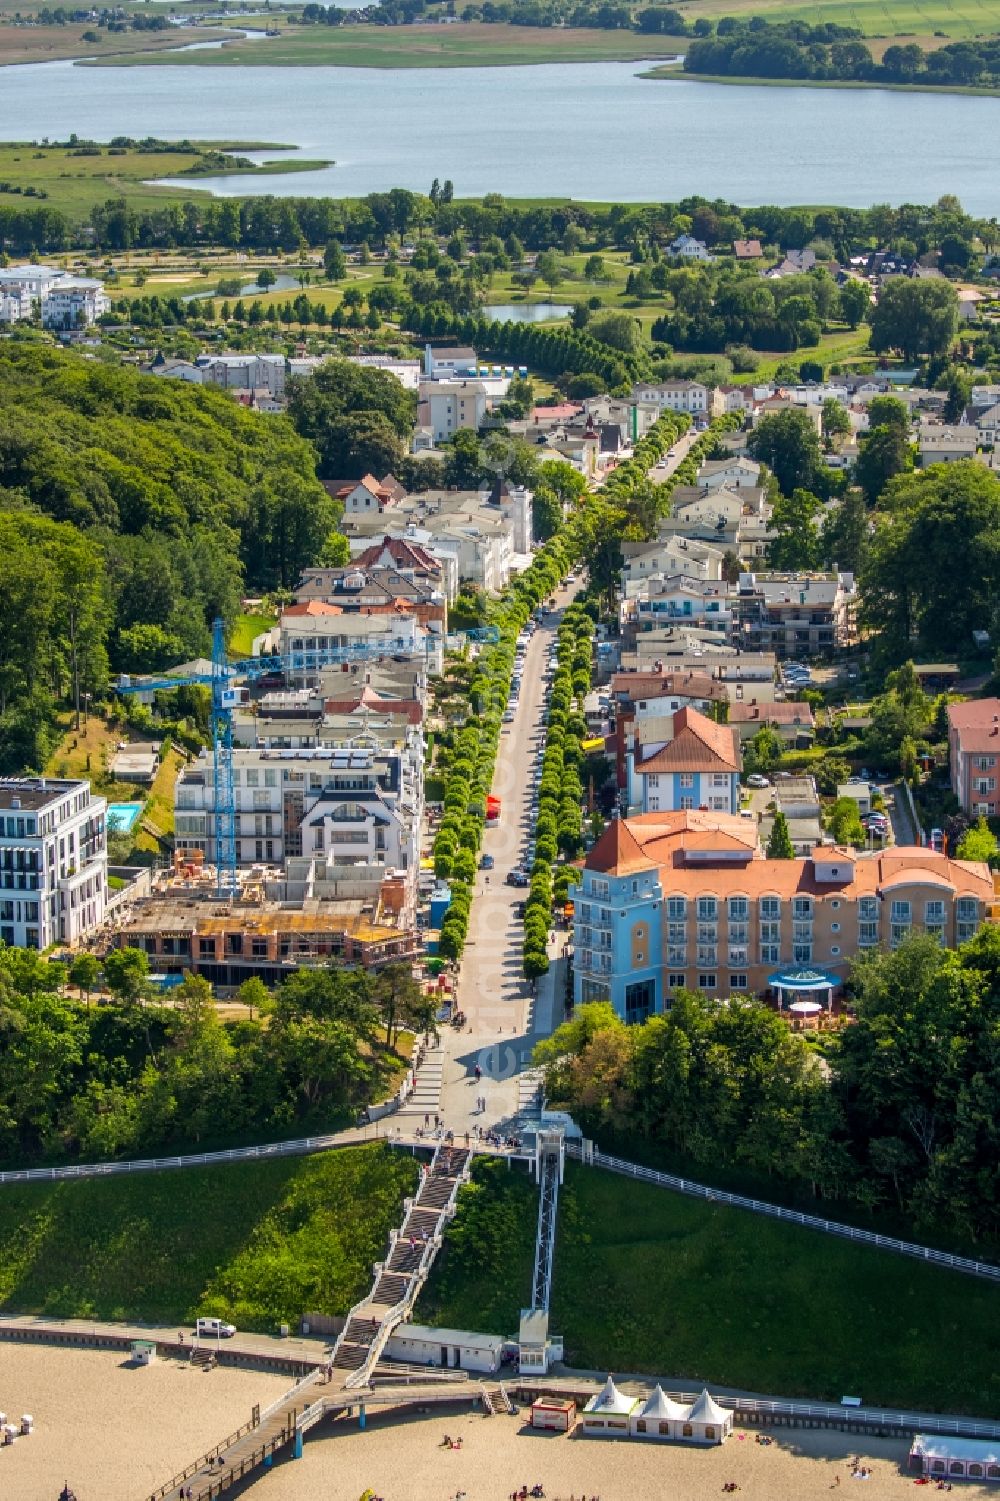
<point x="659" y="1417"/>
<point x="707" y="1422"/>
<point x="609" y="1411"/>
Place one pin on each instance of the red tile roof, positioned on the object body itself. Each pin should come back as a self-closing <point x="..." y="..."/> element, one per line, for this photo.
<point x="773" y="713"/>
<point x="698" y="744"/>
<point x="665" y="840"/>
<point x="618" y="852"/>
<point x="977" y="724"/>
<point x="312" y="607"/>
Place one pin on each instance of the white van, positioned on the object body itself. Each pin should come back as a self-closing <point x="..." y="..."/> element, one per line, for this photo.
<point x="214" y="1329"/>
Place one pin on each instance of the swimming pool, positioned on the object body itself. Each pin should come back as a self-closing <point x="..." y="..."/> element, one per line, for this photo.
<point x="122" y="817"/>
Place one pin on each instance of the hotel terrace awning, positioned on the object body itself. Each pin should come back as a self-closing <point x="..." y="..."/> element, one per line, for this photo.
<point x="803" y="980"/>
<point x="800" y="982"/>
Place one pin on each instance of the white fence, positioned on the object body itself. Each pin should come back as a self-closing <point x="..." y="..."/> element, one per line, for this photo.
<point x="794" y="1217"/>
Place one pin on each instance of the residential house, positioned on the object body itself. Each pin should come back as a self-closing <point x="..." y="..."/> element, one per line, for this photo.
<point x="687" y="248"/>
<point x="974" y="755"/>
<point x="987" y="423"/>
<point x="795" y="263"/>
<point x="53" y="861"/>
<point x="737" y="521"/>
<point x="15" y="303"/>
<point x="444" y="362"/>
<point x="645" y="703"/>
<point x="370" y="496"/>
<point x="317" y="635"/>
<point x="378" y="588"/>
<point x="793" y="722"/>
<point x="697" y="767"/>
<point x="747" y="250"/>
<point x="734" y="473"/>
<point x="939" y="443"/>
<point x="665" y="557"/>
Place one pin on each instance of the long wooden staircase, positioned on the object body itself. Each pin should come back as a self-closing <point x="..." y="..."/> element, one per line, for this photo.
<point x="399" y="1278"/>
<point x="359" y="1346"/>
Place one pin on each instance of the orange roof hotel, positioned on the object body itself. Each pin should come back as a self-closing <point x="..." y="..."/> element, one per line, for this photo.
<point x="686" y="899"/>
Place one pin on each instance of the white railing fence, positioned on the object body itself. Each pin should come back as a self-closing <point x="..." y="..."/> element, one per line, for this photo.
<point x="966" y="1264"/>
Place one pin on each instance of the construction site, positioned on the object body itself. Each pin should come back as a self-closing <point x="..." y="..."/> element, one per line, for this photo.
<point x="184" y="924"/>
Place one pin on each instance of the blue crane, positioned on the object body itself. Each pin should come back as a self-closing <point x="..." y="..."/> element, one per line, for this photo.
<point x="223" y="681"/>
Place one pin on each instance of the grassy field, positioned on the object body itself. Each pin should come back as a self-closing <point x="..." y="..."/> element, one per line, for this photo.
<point x="259" y="1243"/>
<point x="46" y="44"/>
<point x="73" y="182"/>
<point x="917" y="18"/>
<point x="482" y="1279"/>
<point x="464" y="45"/>
<point x="647" y="1280"/>
<point x="245" y="628"/>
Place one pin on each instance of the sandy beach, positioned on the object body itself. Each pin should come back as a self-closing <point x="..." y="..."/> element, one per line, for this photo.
<point x="114" y="1432"/>
<point x="403" y="1461"/>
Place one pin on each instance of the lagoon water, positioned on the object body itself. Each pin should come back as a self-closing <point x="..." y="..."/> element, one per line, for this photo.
<point x="593" y="131"/>
<point x="526" y="312"/>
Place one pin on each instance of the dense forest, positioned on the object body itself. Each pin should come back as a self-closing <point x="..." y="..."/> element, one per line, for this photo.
<point x="129" y="1076"/>
<point x="758" y="48"/>
<point x="132" y="512"/>
<point x="905" y="1118"/>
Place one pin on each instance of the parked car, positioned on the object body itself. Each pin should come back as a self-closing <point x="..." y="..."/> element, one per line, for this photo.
<point x="486" y="862"/>
<point x="508" y="716"/>
<point x="758" y="779"/>
<point x="214" y="1329"/>
<point x="520" y="908"/>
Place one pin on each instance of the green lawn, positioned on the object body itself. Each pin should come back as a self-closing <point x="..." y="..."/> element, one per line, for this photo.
<point x="245" y="628"/>
<point x="73" y="183"/>
<point x="260" y="1243"/>
<point x="648" y="1280"/>
<point x="956" y="18"/>
<point x="464" y="45"/>
<point x="482" y="1278"/>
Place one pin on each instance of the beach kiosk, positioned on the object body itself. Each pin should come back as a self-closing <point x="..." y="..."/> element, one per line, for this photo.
<point x="553" y="1415"/>
<point x="659" y="1417"/>
<point x="142" y="1351"/>
<point x="707" y="1422"/>
<point x="607" y="1415"/>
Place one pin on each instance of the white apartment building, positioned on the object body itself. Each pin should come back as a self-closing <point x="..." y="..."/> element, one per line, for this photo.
<point x="674" y="395"/>
<point x="35" y="280"/>
<point x="74" y="302"/>
<point x="15" y="304"/>
<point x="454" y="405"/>
<point x="360" y="806"/>
<point x="53" y="861"/>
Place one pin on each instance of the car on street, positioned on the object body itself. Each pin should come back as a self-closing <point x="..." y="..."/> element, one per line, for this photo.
<point x="487" y="862"/>
<point x="758" y="779"/>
